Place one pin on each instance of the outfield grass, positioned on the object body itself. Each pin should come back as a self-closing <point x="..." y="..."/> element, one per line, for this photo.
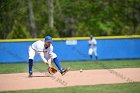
<point x="23" y="67"/>
<point x="103" y="88"/>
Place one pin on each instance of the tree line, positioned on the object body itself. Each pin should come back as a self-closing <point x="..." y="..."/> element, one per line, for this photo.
<point x="68" y="18"/>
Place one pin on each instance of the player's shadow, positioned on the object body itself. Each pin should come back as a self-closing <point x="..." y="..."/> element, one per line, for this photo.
<point x="41" y="76"/>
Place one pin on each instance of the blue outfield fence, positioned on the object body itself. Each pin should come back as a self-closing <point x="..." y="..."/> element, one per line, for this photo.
<point x="120" y="48"/>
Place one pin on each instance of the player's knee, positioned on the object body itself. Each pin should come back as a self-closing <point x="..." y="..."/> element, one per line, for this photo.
<point x="53" y="55"/>
<point x="31" y="57"/>
<point x="90" y="53"/>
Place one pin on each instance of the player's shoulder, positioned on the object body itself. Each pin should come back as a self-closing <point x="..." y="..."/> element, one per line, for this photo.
<point x="40" y="41"/>
<point x="51" y="46"/>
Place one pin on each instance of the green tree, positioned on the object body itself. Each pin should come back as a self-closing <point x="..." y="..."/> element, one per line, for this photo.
<point x="71" y="17"/>
<point x="18" y="31"/>
<point x="47" y="30"/>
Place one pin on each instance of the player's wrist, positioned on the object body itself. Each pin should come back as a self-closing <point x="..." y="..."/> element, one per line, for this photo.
<point x="49" y="65"/>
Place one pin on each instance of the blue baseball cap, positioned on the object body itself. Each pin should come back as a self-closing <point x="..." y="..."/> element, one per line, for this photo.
<point x="48" y="39"/>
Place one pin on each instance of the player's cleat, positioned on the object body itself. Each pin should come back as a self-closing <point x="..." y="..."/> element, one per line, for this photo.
<point x="30" y="74"/>
<point x="64" y="71"/>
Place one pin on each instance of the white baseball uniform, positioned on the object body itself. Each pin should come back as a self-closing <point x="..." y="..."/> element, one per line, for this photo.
<point x="39" y="48"/>
<point x="93" y="47"/>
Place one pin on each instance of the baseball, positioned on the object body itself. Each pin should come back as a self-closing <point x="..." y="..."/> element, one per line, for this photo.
<point x="81" y="70"/>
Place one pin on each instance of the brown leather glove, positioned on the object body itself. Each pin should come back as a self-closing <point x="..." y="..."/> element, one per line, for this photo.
<point x="52" y="70"/>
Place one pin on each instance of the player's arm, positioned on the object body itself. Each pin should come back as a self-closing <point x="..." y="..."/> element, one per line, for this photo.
<point x="89" y="43"/>
<point x="48" y="62"/>
<point x="94" y="42"/>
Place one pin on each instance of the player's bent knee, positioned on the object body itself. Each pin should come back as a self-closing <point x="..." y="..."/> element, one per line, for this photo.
<point x="53" y="55"/>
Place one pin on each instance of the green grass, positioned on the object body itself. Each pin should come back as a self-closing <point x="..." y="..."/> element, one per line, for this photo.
<point x="103" y="64"/>
<point x="22" y="67"/>
<point x="103" y="88"/>
<point x="13" y="68"/>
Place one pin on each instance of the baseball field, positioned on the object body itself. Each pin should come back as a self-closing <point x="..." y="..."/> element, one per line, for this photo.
<point x="94" y="43"/>
<point x="107" y="76"/>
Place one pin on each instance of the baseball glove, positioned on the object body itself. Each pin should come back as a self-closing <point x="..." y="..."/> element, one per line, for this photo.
<point x="52" y="70"/>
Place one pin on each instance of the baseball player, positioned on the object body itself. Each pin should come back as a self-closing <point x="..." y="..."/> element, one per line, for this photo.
<point x="44" y="49"/>
<point x="92" y="47"/>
